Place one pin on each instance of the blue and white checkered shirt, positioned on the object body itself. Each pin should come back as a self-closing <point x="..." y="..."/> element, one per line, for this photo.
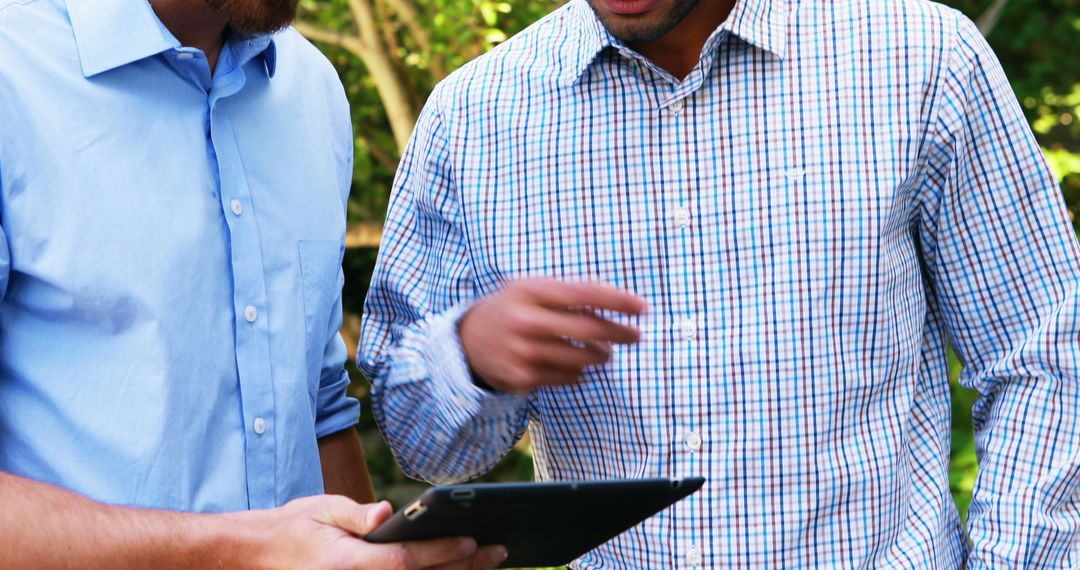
<point x="834" y="193"/>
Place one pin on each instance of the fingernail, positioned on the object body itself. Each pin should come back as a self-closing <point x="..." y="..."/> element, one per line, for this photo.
<point x="498" y="554"/>
<point x="467" y="546"/>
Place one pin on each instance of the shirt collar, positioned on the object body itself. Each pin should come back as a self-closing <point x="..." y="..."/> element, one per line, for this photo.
<point x="113" y="33"/>
<point x="761" y="23"/>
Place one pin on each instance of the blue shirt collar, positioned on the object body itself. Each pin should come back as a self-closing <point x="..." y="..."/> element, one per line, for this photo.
<point x="761" y="23"/>
<point x="113" y="33"/>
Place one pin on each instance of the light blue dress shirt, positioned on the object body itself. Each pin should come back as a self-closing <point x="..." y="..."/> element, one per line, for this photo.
<point x="170" y="259"/>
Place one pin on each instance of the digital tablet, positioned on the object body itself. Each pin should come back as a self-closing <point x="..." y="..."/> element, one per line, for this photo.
<point x="541" y="524"/>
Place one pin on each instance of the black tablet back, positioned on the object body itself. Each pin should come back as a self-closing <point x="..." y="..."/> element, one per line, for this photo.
<point x="541" y="524"/>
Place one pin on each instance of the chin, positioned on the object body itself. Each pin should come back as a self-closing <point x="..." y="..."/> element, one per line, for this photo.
<point x="257" y="17"/>
<point x="641" y="20"/>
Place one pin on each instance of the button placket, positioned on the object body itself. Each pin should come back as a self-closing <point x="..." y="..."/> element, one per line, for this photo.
<point x="249" y="297"/>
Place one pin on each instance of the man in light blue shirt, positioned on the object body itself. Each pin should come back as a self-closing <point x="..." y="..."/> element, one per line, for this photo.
<point x="173" y="184"/>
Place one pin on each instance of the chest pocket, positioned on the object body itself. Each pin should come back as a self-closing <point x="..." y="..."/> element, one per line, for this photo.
<point x="320" y="275"/>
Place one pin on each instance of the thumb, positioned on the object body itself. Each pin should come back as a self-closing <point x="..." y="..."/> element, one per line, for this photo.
<point x="375" y="515"/>
<point x="356" y="518"/>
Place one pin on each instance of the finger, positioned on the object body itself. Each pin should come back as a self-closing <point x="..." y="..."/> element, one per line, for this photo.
<point x="558" y="294"/>
<point x="588" y="327"/>
<point x="557" y="377"/>
<point x="348" y="515"/>
<point x="487" y="557"/>
<point x="561" y="356"/>
<point x="418" y="554"/>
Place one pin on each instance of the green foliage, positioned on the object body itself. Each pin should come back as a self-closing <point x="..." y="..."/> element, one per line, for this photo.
<point x="1038" y="42"/>
<point x="963" y="466"/>
<point x="454" y="32"/>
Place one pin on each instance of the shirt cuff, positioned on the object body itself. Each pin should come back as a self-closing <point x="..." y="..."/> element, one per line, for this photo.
<point x="452" y="379"/>
<point x="336" y="410"/>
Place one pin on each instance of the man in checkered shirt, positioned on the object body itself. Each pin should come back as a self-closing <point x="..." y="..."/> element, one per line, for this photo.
<point x="733" y="239"/>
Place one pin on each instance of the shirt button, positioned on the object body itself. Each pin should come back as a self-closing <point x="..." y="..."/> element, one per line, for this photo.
<point x="689" y="329"/>
<point x="250" y="314"/>
<point x="676" y="107"/>
<point x="693" y="556"/>
<point x="185" y="55"/>
<point x="682" y="217"/>
<point x="259" y="425"/>
<point x="693" y="441"/>
<point x="236" y="206"/>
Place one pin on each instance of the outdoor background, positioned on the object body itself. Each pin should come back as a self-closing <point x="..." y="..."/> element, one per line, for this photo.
<point x="390" y="53"/>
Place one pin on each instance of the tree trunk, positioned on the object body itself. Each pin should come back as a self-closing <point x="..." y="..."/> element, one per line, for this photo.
<point x="384" y="73"/>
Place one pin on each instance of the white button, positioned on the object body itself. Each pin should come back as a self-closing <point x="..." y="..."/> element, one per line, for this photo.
<point x="693" y="556"/>
<point x="259" y="425"/>
<point x="689" y="329"/>
<point x="185" y="55"/>
<point x="250" y="314"/>
<point x="676" y="107"/>
<point x="236" y="206"/>
<point x="693" y="441"/>
<point x="682" y="217"/>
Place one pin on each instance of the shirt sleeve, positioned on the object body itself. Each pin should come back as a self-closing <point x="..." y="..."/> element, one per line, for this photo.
<point x="1003" y="263"/>
<point x="440" y="426"/>
<point x="335" y="410"/>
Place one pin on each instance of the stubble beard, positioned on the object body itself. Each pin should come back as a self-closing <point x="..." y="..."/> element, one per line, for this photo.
<point x="256" y="17"/>
<point x="646" y="29"/>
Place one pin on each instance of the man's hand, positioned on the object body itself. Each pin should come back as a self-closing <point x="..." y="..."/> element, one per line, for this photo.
<point x="324" y="532"/>
<point x="43" y="526"/>
<point x="544" y="332"/>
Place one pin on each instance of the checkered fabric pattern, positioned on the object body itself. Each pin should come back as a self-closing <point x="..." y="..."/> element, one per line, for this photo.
<point x="836" y="192"/>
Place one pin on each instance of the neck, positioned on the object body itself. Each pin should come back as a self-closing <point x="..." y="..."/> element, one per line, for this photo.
<point x="195" y="23"/>
<point x="678" y="50"/>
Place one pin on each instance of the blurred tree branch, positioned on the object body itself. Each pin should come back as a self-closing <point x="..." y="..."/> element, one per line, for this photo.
<point x="368" y="44"/>
<point x="410" y="17"/>
<point x="989" y="18"/>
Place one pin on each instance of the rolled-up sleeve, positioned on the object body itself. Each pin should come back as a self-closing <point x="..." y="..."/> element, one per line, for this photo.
<point x="335" y="409"/>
